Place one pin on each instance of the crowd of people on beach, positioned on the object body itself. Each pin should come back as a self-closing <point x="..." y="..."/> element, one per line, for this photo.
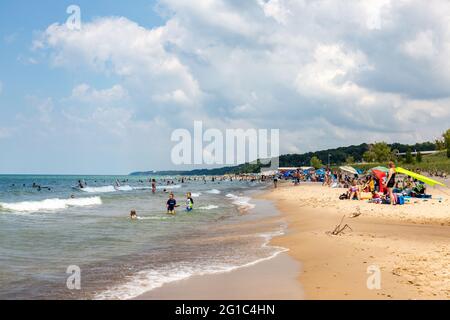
<point x="377" y="187"/>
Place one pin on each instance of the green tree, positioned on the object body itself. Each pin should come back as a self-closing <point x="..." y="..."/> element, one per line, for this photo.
<point x="409" y="157"/>
<point x="446" y="137"/>
<point x="382" y="151"/>
<point x="440" y="144"/>
<point x="316" y="163"/>
<point x="369" y="156"/>
<point x="350" y="160"/>
<point x="419" y="157"/>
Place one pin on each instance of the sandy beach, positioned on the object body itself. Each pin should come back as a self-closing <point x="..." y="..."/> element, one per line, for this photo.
<point x="409" y="244"/>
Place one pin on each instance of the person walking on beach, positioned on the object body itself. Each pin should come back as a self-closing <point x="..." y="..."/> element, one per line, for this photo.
<point x="391" y="182"/>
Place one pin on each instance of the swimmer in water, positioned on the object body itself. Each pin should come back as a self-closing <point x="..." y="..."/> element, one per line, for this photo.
<point x="133" y="215"/>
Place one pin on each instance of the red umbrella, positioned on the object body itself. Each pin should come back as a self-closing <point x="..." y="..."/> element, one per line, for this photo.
<point x="381" y="176"/>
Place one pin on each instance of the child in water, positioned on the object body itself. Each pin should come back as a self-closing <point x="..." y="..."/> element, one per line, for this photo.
<point x="133" y="215"/>
<point x="171" y="204"/>
<point x="189" y="202"/>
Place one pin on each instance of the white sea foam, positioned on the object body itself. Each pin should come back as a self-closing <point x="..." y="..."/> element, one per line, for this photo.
<point x="213" y="191"/>
<point x="210" y="207"/>
<point x="196" y="195"/>
<point x="148" y="280"/>
<point x="177" y="186"/>
<point x="51" y="204"/>
<point x="106" y="189"/>
<point x="152" y="218"/>
<point x="241" y="201"/>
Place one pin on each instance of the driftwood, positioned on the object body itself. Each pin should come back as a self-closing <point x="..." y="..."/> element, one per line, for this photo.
<point x="357" y="213"/>
<point x="339" y="229"/>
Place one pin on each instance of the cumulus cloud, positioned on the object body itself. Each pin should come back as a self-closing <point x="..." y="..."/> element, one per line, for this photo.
<point x="121" y="47"/>
<point x="84" y="92"/>
<point x="327" y="73"/>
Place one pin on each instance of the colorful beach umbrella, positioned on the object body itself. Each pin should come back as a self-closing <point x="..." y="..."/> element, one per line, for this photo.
<point x="381" y="176"/>
<point x="349" y="169"/>
<point x="419" y="177"/>
<point x="380" y="168"/>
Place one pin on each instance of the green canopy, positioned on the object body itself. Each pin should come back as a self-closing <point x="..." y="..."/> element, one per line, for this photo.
<point x="419" y="177"/>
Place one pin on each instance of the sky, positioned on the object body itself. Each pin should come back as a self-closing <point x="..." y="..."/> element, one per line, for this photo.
<point x="105" y="99"/>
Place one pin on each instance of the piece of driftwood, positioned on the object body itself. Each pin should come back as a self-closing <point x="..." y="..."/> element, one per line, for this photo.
<point x="339" y="229"/>
<point x="357" y="213"/>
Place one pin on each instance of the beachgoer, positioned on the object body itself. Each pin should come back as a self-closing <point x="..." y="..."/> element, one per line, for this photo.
<point x="353" y="191"/>
<point x="153" y="186"/>
<point x="275" y="182"/>
<point x="189" y="202"/>
<point x="133" y="215"/>
<point x="171" y="204"/>
<point x="391" y="182"/>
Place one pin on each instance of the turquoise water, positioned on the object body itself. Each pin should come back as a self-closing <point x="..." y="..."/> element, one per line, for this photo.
<point x="45" y="230"/>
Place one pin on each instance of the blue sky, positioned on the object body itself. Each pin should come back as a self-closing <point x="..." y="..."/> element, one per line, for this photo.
<point x="105" y="99"/>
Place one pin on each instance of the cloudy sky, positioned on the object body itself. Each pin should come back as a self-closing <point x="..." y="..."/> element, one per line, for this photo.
<point x="106" y="98"/>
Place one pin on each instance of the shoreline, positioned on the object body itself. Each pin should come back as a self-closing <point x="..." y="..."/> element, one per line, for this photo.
<point x="268" y="278"/>
<point x="408" y="245"/>
<point x="412" y="252"/>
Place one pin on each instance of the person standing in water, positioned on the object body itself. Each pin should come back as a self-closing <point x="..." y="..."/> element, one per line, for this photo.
<point x="189" y="202"/>
<point x="153" y="186"/>
<point x="171" y="204"/>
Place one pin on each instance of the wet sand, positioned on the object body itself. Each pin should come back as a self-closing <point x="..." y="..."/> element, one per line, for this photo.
<point x="271" y="279"/>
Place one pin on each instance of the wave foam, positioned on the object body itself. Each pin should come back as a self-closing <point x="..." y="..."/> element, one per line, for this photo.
<point x="210" y="207"/>
<point x="240" y="201"/>
<point x="148" y="280"/>
<point x="51" y="204"/>
<point x="177" y="186"/>
<point x="106" y="189"/>
<point x="214" y="191"/>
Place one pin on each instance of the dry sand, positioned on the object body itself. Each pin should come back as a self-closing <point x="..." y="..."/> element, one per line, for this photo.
<point x="409" y="244"/>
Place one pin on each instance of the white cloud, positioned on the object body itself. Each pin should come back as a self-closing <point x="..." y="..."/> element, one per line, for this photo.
<point x="121" y="47"/>
<point x="422" y="46"/>
<point x="327" y="73"/>
<point x="83" y="92"/>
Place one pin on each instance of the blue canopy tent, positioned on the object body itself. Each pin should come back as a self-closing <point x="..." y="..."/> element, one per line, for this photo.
<point x="320" y="172"/>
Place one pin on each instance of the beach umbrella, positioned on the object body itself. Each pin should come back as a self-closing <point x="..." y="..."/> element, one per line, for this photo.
<point x="381" y="176"/>
<point x="349" y="169"/>
<point x="380" y="168"/>
<point x="419" y="177"/>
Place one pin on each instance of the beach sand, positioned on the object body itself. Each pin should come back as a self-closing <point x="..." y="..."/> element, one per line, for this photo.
<point x="271" y="279"/>
<point x="409" y="244"/>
